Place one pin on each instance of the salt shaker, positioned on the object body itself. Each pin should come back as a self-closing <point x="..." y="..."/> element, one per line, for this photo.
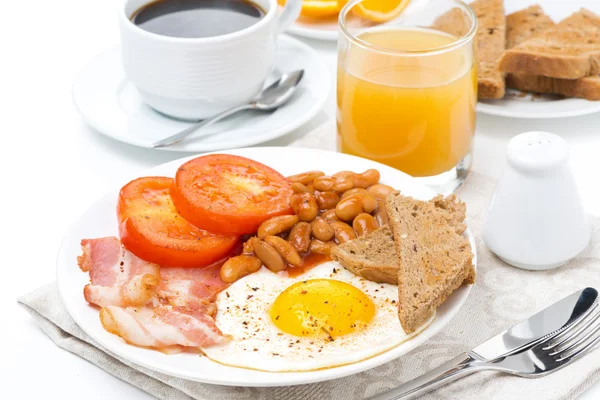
<point x="535" y="219"/>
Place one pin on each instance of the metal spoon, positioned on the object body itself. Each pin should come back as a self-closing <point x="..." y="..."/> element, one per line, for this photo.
<point x="268" y="99"/>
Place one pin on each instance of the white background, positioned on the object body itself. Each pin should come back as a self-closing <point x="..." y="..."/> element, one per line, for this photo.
<point x="52" y="166"/>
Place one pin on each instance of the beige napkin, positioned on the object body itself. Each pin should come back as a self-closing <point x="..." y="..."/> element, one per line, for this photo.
<point x="502" y="296"/>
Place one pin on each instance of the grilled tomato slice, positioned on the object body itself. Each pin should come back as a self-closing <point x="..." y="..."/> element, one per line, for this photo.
<point x="229" y="194"/>
<point x="151" y="228"/>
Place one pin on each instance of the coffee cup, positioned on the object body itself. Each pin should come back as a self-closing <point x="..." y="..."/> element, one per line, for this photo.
<point x="193" y="78"/>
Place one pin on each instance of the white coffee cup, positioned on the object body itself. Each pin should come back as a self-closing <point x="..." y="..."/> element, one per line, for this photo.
<point x="195" y="78"/>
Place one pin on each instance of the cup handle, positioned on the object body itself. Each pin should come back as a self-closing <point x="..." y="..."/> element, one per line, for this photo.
<point x="290" y="13"/>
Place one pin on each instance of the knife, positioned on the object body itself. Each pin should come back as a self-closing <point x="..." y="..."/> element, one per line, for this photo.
<point x="521" y="337"/>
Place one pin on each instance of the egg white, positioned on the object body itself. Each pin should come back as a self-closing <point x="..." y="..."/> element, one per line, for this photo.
<point x="256" y="343"/>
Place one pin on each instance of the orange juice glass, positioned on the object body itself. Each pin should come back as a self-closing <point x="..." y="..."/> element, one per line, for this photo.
<point x="407" y="89"/>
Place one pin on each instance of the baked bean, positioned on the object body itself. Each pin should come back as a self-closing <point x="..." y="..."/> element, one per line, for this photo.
<point x="304" y="206"/>
<point x="344" y="174"/>
<point x="285" y="249"/>
<point x="369" y="202"/>
<point x="306" y="177"/>
<point x="299" y="236"/>
<point x="269" y="256"/>
<point x="381" y="216"/>
<point x="353" y="191"/>
<point x="320" y="247"/>
<point x="239" y="266"/>
<point x="343" y="231"/>
<point x="342" y="184"/>
<point x="248" y="247"/>
<point x="297" y="187"/>
<point x="380" y="191"/>
<point x="328" y="183"/>
<point x="324" y="183"/>
<point x="276" y="225"/>
<point x="368" y="178"/>
<point x="321" y="229"/>
<point x="327" y="200"/>
<point x="349" y="207"/>
<point x="329" y="215"/>
<point x="310" y="188"/>
<point x="363" y="224"/>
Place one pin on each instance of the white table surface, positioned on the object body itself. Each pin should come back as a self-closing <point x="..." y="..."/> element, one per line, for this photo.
<point x="53" y="166"/>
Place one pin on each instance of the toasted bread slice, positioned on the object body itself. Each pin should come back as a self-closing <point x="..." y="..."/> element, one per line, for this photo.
<point x="453" y="210"/>
<point x="434" y="259"/>
<point x="521" y="26"/>
<point x="585" y="88"/>
<point x="526" y="23"/>
<point x="491" y="42"/>
<point x="374" y="256"/>
<point x="567" y="50"/>
<point x="453" y="22"/>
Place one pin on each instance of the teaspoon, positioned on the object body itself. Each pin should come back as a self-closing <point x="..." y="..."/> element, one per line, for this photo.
<point x="270" y="98"/>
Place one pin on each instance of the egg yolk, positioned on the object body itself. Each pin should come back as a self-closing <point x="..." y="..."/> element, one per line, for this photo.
<point x="321" y="307"/>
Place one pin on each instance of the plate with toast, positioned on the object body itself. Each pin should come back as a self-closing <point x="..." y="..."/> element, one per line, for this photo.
<point x="383" y="292"/>
<point x="531" y="66"/>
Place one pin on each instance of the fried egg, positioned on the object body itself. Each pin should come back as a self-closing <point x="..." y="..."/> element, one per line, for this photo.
<point x="323" y="318"/>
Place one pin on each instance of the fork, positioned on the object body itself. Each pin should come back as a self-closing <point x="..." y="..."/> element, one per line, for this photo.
<point x="553" y="353"/>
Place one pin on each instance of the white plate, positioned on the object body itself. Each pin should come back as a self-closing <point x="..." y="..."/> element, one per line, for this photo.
<point x="316" y="29"/>
<point x="526" y="105"/>
<point x="109" y="103"/>
<point x="517" y="104"/>
<point x="100" y="220"/>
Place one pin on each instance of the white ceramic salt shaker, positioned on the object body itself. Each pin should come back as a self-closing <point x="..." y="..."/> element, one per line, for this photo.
<point x="536" y="220"/>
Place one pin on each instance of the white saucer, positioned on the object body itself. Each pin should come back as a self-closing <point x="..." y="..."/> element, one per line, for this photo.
<point x="109" y="103"/>
<point x="316" y="29"/>
<point x="517" y="104"/>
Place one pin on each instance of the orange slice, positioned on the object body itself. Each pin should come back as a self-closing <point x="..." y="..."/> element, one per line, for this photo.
<point x="317" y="8"/>
<point x="380" y="10"/>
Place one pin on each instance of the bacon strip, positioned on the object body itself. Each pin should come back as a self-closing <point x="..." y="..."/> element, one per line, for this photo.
<point x="161" y="327"/>
<point x="118" y="278"/>
<point x="148" y="306"/>
<point x="192" y="288"/>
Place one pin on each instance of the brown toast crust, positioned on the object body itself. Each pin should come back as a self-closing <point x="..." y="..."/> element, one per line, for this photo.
<point x="521" y="26"/>
<point x="453" y="210"/>
<point x="526" y="23"/>
<point x="434" y="258"/>
<point x="586" y="88"/>
<point x="372" y="256"/>
<point x="567" y="50"/>
<point x="491" y="42"/>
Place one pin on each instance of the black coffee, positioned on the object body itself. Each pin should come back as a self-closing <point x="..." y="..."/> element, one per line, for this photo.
<point x="197" y="18"/>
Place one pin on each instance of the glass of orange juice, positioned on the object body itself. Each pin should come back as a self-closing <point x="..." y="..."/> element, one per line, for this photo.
<point x="407" y="86"/>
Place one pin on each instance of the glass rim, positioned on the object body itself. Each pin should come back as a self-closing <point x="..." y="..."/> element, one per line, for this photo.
<point x="436" y="50"/>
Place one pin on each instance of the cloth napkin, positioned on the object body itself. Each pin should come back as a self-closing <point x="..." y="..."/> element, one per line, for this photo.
<point x="502" y="296"/>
